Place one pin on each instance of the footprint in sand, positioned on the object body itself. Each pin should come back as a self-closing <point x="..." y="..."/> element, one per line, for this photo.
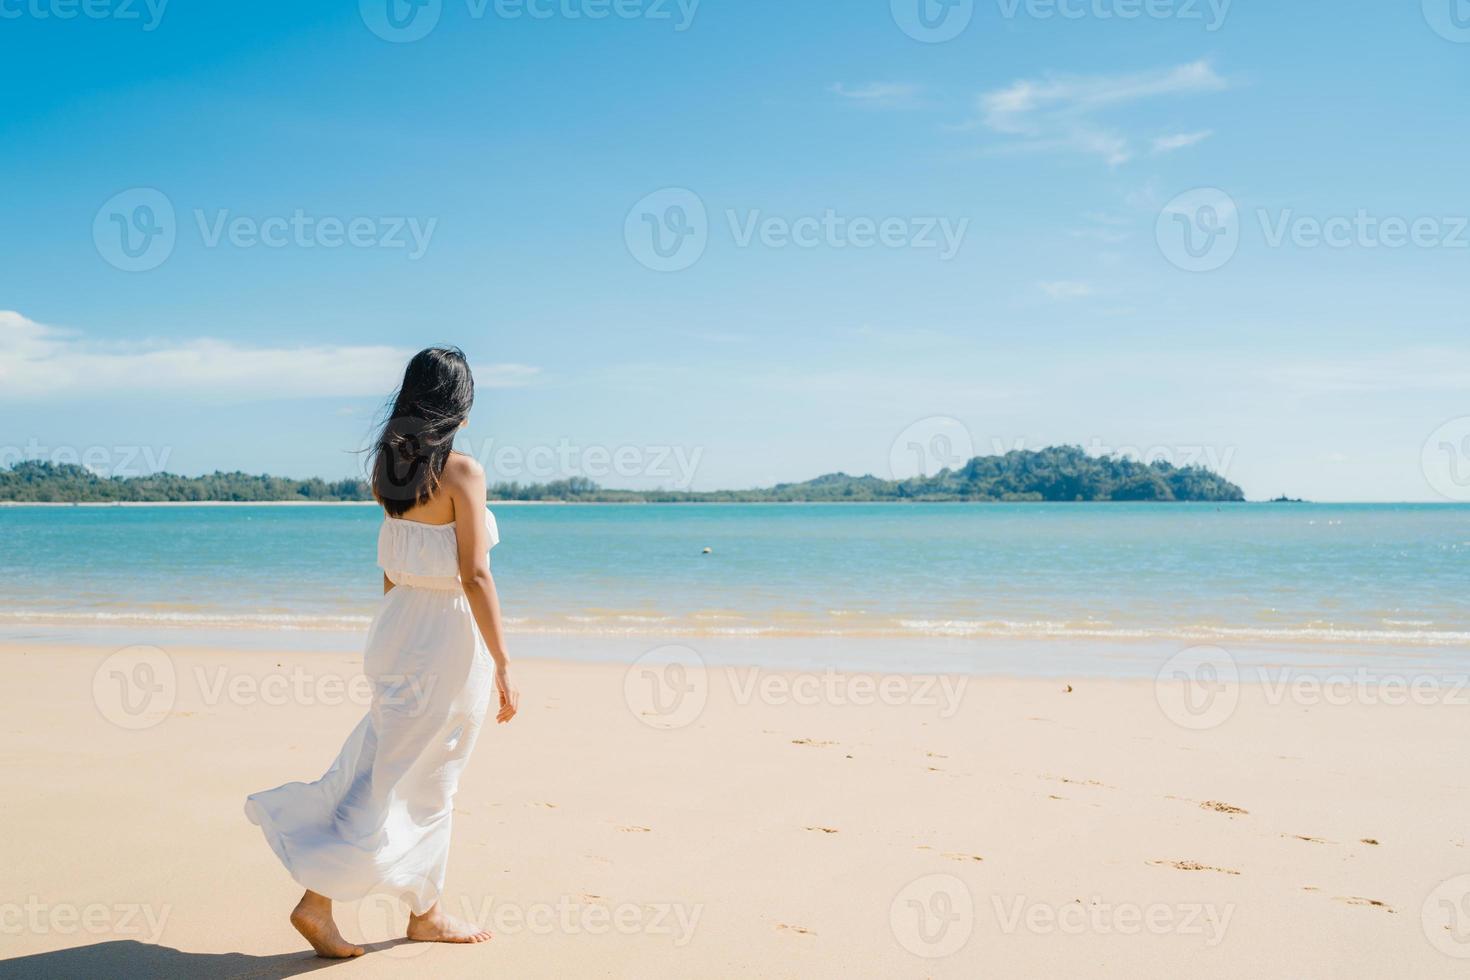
<point x="549" y="806"/>
<point x="957" y="856"/>
<point x="819" y="743"/>
<point x="1357" y="900"/>
<point x="1193" y="866"/>
<point x="1368" y="840"/>
<point x="824" y="830"/>
<point x="1219" y="807"/>
<point x="636" y="830"/>
<point x="1309" y="840"/>
<point x="800" y="930"/>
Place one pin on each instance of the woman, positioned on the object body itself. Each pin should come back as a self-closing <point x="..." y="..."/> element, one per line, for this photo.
<point x="379" y="819"/>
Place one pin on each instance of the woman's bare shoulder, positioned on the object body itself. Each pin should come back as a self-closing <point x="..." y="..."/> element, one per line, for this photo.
<point x="461" y="469"/>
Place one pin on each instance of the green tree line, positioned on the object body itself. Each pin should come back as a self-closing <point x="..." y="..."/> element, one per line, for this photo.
<point x="1058" y="473"/>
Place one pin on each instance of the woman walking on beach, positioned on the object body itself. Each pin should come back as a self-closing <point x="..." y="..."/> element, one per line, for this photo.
<point x="379" y="819"/>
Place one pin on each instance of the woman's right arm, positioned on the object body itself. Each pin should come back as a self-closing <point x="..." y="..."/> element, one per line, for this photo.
<point x="464" y="478"/>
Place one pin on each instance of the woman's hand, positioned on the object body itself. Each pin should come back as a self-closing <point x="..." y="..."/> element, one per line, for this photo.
<point x="510" y="698"/>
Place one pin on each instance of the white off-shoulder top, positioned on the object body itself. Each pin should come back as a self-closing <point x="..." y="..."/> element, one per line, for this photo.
<point x="424" y="556"/>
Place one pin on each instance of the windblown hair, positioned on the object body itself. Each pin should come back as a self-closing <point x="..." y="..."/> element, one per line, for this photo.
<point x="417" y="435"/>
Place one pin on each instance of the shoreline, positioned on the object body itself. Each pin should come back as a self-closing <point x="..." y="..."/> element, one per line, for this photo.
<point x="1122" y="660"/>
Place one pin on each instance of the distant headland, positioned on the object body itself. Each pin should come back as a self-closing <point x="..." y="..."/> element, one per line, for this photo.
<point x="1058" y="473"/>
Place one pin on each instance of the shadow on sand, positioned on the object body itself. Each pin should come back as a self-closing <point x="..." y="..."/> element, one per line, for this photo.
<point x="132" y="959"/>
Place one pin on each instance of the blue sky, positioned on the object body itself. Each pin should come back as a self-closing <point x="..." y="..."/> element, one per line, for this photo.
<point x="873" y="238"/>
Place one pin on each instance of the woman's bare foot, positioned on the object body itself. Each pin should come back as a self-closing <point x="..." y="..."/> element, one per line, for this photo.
<point x="436" y="927"/>
<point x="312" y="917"/>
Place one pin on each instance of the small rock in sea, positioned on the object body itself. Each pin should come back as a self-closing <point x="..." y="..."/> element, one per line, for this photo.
<point x="709" y="551"/>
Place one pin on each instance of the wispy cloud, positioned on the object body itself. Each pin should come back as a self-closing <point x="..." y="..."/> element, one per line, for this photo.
<point x="40" y="363"/>
<point x="879" y="95"/>
<point x="1065" y="289"/>
<point x="1059" y="112"/>
<point x="1179" y="141"/>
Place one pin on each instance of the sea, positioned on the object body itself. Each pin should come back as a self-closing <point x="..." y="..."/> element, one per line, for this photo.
<point x="980" y="576"/>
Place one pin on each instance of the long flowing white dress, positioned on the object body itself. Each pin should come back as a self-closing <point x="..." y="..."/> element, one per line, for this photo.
<point x="379" y="819"/>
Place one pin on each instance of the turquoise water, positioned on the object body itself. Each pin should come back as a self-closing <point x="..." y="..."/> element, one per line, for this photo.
<point x="1345" y="573"/>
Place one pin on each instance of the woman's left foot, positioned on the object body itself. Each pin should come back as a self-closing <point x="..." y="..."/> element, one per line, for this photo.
<point x="436" y="927"/>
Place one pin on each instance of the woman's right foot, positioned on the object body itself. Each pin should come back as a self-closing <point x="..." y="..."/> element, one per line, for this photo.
<point x="436" y="927"/>
<point x="316" y="924"/>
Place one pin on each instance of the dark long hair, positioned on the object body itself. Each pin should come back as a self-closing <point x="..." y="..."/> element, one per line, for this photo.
<point x="417" y="435"/>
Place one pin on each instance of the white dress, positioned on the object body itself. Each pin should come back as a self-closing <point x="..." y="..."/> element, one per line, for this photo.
<point x="379" y="820"/>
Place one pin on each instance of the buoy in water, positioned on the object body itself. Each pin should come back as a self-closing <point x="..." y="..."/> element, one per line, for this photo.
<point x="709" y="551"/>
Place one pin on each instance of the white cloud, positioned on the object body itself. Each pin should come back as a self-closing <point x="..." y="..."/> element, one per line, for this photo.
<point x="1055" y="113"/>
<point x="1066" y="289"/>
<point x="39" y="362"/>
<point x="1179" y="141"/>
<point x="879" y="95"/>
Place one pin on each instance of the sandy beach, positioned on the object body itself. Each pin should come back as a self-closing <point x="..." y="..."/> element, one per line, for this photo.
<point x="759" y="823"/>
